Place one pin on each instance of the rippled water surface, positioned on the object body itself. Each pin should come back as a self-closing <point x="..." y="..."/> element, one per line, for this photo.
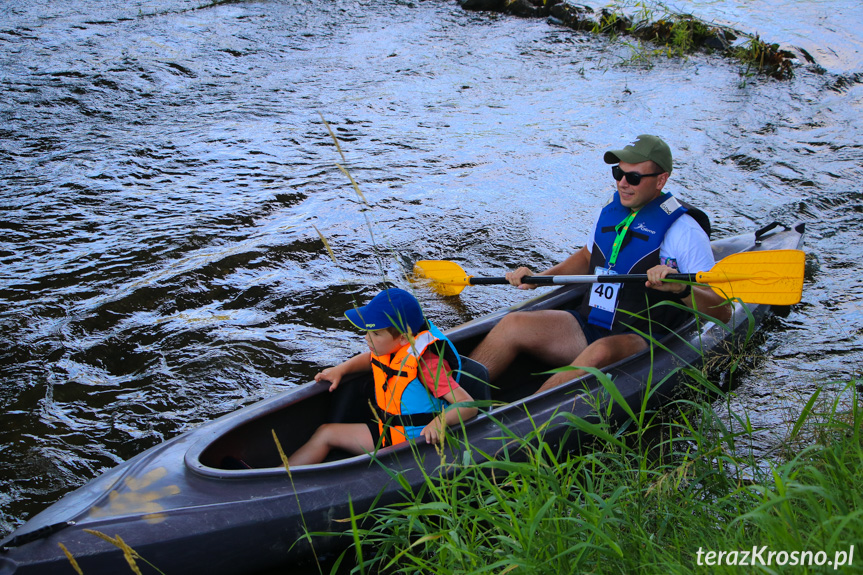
<point x="166" y="169"/>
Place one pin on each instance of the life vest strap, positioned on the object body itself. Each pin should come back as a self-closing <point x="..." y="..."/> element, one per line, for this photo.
<point x="391" y="372"/>
<point x="404" y="419"/>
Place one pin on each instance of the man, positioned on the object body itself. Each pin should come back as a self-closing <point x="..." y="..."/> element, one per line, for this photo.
<point x="641" y="230"/>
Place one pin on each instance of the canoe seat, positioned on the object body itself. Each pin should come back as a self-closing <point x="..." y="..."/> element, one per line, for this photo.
<point x="474" y="379"/>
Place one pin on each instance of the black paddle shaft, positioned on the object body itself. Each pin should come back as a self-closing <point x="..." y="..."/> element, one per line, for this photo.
<point x="586" y="279"/>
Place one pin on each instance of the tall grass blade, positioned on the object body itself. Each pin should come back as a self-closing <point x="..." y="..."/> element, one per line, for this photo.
<point x="354" y="183"/>
<point x="333" y="136"/>
<point x="128" y="553"/>
<point x="326" y="245"/>
<point x="287" y="465"/>
<point x="805" y="414"/>
<point x="71" y="559"/>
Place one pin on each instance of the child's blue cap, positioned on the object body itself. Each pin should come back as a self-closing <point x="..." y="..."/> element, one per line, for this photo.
<point x="391" y="308"/>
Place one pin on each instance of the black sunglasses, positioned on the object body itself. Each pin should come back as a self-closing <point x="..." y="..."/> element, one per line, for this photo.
<point x="634" y="178"/>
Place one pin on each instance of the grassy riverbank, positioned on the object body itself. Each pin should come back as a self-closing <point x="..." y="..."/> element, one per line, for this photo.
<point x="664" y="495"/>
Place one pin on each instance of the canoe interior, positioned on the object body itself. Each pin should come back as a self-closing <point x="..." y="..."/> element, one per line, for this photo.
<point x="249" y="445"/>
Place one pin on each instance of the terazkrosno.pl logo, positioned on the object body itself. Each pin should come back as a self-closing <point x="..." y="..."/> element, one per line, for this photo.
<point x="764" y="557"/>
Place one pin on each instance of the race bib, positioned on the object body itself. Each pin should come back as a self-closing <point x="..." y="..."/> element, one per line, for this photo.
<point x="604" y="296"/>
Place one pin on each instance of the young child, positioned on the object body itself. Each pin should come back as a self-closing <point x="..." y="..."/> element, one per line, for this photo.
<point x="413" y="385"/>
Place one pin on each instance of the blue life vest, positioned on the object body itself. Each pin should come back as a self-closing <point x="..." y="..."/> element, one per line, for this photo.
<point x="639" y="253"/>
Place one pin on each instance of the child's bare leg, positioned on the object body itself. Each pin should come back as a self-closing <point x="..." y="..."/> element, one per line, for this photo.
<point x="354" y="438"/>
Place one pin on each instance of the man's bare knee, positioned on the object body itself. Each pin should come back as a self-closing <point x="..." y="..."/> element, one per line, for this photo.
<point x="513" y="321"/>
<point x="600" y="353"/>
<point x="608" y="350"/>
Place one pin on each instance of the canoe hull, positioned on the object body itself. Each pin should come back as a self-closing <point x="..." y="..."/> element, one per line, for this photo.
<point x="185" y="507"/>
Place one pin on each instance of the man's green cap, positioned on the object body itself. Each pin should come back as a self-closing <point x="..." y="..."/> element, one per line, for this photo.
<point x="644" y="148"/>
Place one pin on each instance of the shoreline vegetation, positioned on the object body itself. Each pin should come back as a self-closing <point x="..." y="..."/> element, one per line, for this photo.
<point x="668" y="33"/>
<point x="676" y="491"/>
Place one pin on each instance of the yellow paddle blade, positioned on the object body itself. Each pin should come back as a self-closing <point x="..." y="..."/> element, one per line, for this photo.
<point x="447" y="278"/>
<point x="773" y="277"/>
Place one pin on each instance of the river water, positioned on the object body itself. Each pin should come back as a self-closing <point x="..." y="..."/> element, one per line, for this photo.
<point x="166" y="172"/>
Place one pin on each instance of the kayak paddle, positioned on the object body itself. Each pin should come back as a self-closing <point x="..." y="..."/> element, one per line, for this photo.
<point x="773" y="277"/>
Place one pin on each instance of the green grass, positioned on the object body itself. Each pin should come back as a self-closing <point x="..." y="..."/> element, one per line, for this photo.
<point x="643" y="499"/>
<point x="760" y="57"/>
<point x="659" y="31"/>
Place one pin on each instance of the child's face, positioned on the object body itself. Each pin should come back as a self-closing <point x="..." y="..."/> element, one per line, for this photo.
<point x="382" y="342"/>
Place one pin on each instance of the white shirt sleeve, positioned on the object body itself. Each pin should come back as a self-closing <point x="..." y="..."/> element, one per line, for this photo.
<point x="686" y="247"/>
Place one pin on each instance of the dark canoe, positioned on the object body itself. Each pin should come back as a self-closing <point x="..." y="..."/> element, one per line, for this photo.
<point x="186" y="507"/>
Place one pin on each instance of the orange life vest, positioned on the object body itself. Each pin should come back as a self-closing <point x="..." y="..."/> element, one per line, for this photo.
<point x="393" y="374"/>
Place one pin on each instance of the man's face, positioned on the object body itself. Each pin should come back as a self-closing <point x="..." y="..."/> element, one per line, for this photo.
<point x="648" y="189"/>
